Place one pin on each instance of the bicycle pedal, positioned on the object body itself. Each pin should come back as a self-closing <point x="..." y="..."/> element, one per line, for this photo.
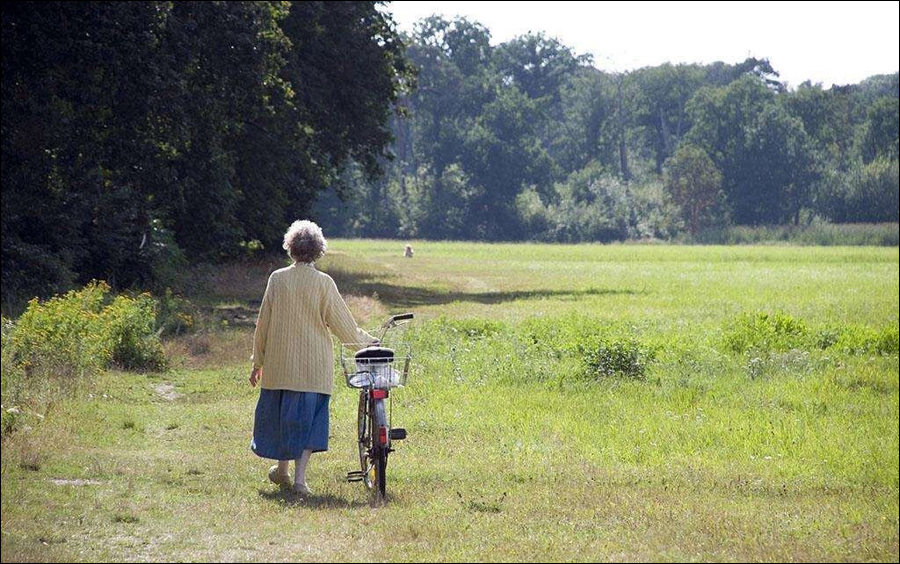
<point x="352" y="479"/>
<point x="356" y="474"/>
<point x="398" y="434"/>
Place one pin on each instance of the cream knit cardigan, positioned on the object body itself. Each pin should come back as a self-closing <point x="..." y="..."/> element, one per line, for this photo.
<point x="292" y="343"/>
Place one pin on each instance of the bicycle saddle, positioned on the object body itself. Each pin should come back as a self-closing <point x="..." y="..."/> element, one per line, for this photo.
<point x="372" y="355"/>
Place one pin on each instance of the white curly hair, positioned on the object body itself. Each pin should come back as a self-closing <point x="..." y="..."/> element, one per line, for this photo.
<point x="304" y="241"/>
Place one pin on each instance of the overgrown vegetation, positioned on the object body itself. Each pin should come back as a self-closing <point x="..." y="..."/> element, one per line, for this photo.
<point x="816" y="233"/>
<point x="600" y="349"/>
<point x="768" y="332"/>
<point x="176" y="314"/>
<point x="60" y="343"/>
<point x="780" y="332"/>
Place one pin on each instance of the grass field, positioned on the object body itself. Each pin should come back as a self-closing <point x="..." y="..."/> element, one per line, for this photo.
<point x="517" y="450"/>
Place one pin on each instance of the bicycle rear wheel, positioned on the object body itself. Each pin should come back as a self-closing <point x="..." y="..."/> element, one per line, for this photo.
<point x="379" y="451"/>
<point x="381" y="474"/>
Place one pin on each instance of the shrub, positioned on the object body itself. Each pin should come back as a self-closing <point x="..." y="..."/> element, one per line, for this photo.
<point x="601" y="350"/>
<point x="888" y="340"/>
<point x="867" y="340"/>
<point x="816" y="233"/>
<point x="10" y="379"/>
<point x="61" y="340"/>
<point x="826" y="338"/>
<point x="591" y="205"/>
<point x="866" y="193"/>
<point x="63" y="334"/>
<point x="767" y="332"/>
<point x="618" y="358"/>
<point x="128" y="329"/>
<point x="780" y="332"/>
<point x="76" y="333"/>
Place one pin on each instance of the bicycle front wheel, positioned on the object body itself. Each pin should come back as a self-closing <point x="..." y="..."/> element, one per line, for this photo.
<point x="364" y="440"/>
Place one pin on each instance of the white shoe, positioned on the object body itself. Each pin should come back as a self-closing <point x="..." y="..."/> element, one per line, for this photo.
<point x="301" y="488"/>
<point x="280" y="478"/>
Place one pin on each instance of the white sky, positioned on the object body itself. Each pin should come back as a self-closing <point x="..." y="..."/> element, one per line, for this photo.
<point x="827" y="42"/>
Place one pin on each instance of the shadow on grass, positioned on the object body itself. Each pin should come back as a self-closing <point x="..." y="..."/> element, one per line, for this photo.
<point x="394" y="294"/>
<point x="326" y="501"/>
<point x="234" y="303"/>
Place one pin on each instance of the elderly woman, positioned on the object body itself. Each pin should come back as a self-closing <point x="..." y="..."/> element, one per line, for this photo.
<point x="293" y="358"/>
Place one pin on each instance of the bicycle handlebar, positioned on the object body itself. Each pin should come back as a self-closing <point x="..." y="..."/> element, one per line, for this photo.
<point x="392" y="322"/>
<point x="402" y="317"/>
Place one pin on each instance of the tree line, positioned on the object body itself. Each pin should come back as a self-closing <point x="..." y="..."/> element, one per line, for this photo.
<point x="528" y="140"/>
<point x="138" y="136"/>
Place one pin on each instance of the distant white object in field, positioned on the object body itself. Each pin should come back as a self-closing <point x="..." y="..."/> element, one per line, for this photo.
<point x="408" y="251"/>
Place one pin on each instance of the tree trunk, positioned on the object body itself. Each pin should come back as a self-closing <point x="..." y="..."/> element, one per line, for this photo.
<point x="405" y="153"/>
<point x="623" y="152"/>
<point x="666" y="138"/>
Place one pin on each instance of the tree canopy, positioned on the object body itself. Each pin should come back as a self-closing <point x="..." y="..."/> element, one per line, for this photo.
<point x="135" y="131"/>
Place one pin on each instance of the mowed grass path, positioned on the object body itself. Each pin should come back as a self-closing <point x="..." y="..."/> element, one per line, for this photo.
<point x="700" y="461"/>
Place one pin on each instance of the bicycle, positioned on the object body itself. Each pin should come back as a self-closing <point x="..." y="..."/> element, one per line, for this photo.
<point x="374" y="376"/>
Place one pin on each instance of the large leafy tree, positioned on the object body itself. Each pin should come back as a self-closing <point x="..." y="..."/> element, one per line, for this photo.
<point x="538" y="65"/>
<point x="213" y="122"/>
<point x="222" y="62"/>
<point x="881" y="137"/>
<point x="502" y="154"/>
<point x="587" y="131"/>
<point x="454" y="84"/>
<point x="774" y="170"/>
<point x="830" y="117"/>
<point x="343" y="74"/>
<point x="723" y="74"/>
<point x="665" y="91"/>
<point x="767" y="161"/>
<point x="695" y="185"/>
<point x="77" y="148"/>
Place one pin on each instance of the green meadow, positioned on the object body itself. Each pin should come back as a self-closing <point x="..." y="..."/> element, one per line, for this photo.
<point x="567" y="402"/>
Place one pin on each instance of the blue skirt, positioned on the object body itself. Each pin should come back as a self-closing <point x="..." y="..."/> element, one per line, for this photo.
<point x="289" y="422"/>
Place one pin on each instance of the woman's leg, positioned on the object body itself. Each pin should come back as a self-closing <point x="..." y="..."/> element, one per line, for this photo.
<point x="279" y="474"/>
<point x="300" y="467"/>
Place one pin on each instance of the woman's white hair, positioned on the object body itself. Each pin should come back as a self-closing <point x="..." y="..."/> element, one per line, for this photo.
<point x="304" y="241"/>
